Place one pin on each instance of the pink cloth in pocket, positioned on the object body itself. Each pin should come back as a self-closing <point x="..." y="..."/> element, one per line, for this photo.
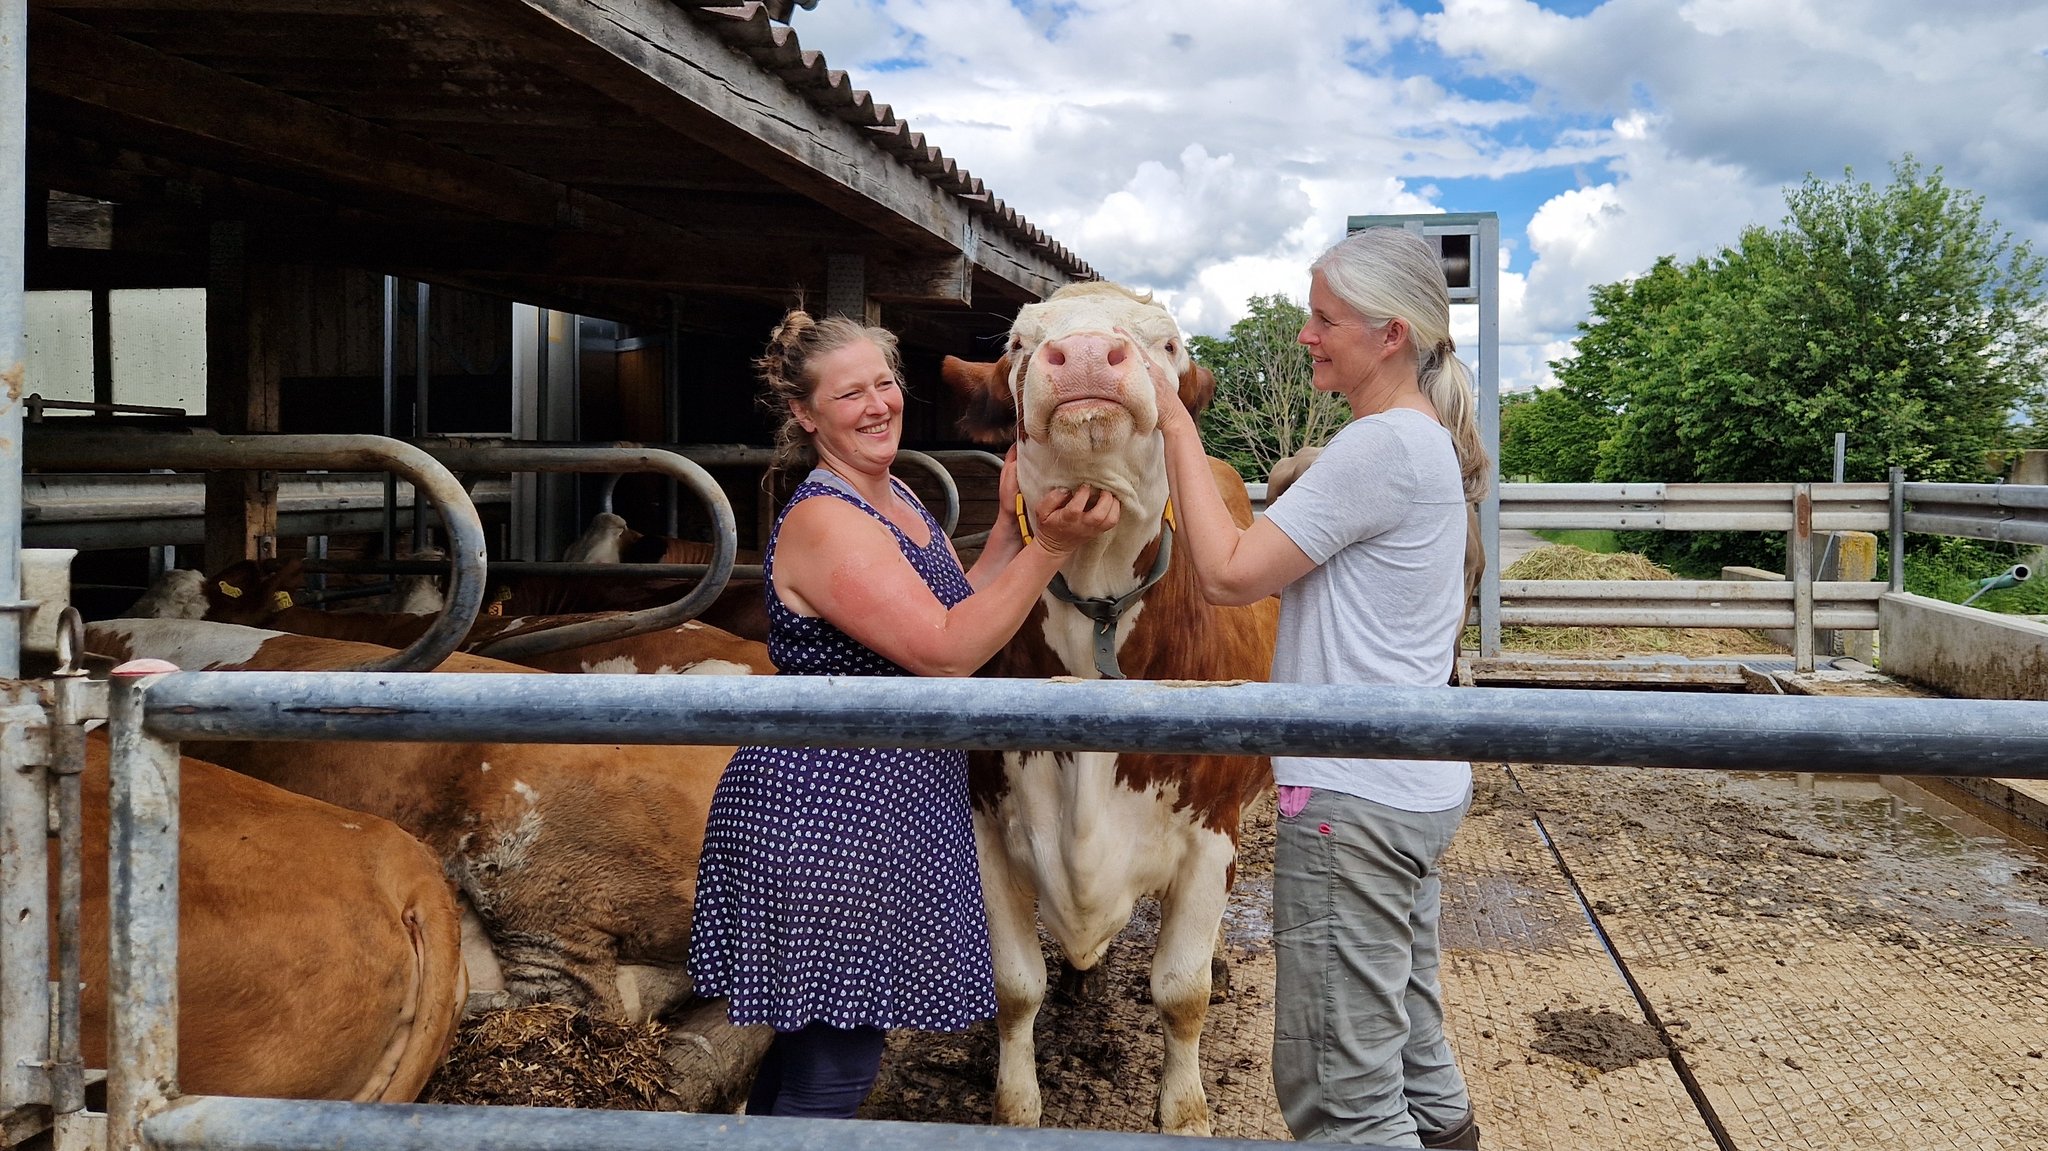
<point x="1293" y="800"/>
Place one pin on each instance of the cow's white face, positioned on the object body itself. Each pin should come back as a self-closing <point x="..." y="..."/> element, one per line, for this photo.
<point x="1084" y="396"/>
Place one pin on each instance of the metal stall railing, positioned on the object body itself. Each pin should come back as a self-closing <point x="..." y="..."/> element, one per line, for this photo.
<point x="749" y="456"/>
<point x="614" y="460"/>
<point x="115" y="451"/>
<point x="152" y="714"/>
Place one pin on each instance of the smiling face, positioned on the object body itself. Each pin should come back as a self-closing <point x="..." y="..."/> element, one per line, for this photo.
<point x="1344" y="347"/>
<point x="855" y="410"/>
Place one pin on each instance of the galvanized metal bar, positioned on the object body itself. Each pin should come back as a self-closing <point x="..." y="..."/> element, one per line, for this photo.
<point x="205" y="1123"/>
<point x="1952" y="520"/>
<point x="1687" y="591"/>
<point x="1906" y="736"/>
<point x="536" y="567"/>
<point x="950" y="514"/>
<point x="1738" y="615"/>
<point x="1897" y="529"/>
<point x="2032" y="497"/>
<point x="75" y="700"/>
<point x="604" y="459"/>
<point x="422" y="362"/>
<point x="112" y="450"/>
<point x="1689" y="507"/>
<point x="142" y="912"/>
<point x="1487" y="256"/>
<point x="1800" y="568"/>
<point x="390" y="395"/>
<point x="24" y="899"/>
<point x="748" y="455"/>
<point x="13" y="324"/>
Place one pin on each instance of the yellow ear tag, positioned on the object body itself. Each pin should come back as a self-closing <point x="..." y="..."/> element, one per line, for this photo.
<point x="1169" y="516"/>
<point x="280" y="600"/>
<point x="1023" y="525"/>
<point x="229" y="590"/>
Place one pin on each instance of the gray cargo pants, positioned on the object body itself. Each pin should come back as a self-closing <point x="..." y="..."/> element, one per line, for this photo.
<point x="1359" y="1054"/>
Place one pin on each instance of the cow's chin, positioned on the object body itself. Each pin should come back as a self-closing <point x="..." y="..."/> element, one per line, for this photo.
<point x="1089" y="429"/>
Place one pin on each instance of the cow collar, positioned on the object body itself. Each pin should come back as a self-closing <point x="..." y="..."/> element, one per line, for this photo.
<point x="1106" y="611"/>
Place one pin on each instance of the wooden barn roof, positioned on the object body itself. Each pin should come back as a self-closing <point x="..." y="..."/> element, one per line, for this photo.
<point x="607" y="156"/>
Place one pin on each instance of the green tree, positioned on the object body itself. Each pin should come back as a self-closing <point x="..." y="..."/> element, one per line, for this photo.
<point x="1265" y="407"/>
<point x="1901" y="316"/>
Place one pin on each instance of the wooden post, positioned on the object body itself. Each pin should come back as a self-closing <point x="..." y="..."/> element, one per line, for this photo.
<point x="241" y="396"/>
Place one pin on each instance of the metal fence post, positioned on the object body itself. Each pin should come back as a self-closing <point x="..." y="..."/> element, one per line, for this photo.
<point x="142" y="896"/>
<point x="1801" y="568"/>
<point x="1898" y="529"/>
<point x="24" y="904"/>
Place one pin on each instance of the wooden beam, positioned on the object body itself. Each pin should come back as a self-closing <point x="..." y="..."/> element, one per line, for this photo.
<point x="242" y="396"/>
<point x="270" y="139"/>
<point x="663" y="63"/>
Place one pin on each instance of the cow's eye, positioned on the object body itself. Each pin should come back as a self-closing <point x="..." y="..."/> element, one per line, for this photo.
<point x="1170" y="347"/>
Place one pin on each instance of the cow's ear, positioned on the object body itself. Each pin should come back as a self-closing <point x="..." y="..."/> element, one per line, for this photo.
<point x="1197" y="388"/>
<point x="990" y="415"/>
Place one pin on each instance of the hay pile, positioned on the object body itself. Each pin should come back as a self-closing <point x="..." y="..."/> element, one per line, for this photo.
<point x="552" y="1055"/>
<point x="1565" y="562"/>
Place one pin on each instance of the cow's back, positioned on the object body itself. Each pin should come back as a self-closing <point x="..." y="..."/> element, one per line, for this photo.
<point x="320" y="948"/>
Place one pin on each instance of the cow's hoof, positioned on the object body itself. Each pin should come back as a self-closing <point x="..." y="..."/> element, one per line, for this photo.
<point x="1196" y="1124"/>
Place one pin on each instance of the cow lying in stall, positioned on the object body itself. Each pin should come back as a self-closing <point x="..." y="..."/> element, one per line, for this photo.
<point x="319" y="950"/>
<point x="578" y="863"/>
<point x="1078" y="838"/>
<point x="258" y="593"/>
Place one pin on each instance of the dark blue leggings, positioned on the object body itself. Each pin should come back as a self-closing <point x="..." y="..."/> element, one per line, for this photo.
<point x="822" y="1072"/>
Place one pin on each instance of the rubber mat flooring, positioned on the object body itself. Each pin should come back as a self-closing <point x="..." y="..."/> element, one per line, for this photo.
<point x="1640" y="960"/>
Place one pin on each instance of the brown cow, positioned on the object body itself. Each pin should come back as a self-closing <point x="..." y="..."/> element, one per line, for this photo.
<point x="579" y="862"/>
<point x="319" y="949"/>
<point x="1056" y="832"/>
<point x="258" y="593"/>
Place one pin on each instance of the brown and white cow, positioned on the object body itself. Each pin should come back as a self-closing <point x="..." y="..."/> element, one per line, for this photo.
<point x="319" y="949"/>
<point x="258" y="593"/>
<point x="1078" y="838"/>
<point x="579" y="862"/>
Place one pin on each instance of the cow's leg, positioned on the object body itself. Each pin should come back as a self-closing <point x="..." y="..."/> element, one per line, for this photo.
<point x="1189" y="915"/>
<point x="1020" y="981"/>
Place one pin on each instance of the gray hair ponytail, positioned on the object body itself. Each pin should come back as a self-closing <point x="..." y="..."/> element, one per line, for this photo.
<point x="1388" y="273"/>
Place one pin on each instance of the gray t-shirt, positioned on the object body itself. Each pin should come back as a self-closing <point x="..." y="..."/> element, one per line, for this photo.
<point x="1382" y="512"/>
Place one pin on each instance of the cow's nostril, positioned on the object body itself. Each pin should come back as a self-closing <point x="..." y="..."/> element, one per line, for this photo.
<point x="1117" y="352"/>
<point x="1054" y="356"/>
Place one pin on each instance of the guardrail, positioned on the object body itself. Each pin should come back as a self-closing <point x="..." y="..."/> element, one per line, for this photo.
<point x="1997" y="512"/>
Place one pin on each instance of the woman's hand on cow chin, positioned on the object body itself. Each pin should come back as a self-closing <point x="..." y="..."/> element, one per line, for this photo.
<point x="1067" y="519"/>
<point x="1173" y="414"/>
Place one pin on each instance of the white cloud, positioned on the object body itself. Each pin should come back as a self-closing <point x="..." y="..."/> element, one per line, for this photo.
<point x="1209" y="149"/>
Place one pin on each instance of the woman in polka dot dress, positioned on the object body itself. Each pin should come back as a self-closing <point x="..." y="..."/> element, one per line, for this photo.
<point x="838" y="894"/>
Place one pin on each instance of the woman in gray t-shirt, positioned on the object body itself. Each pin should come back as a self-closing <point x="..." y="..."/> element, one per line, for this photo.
<point x="1366" y="551"/>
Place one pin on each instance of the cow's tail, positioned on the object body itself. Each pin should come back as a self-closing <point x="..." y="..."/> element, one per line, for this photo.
<point x="438" y="989"/>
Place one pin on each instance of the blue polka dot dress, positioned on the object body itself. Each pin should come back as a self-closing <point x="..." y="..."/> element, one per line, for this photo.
<point x="839" y="885"/>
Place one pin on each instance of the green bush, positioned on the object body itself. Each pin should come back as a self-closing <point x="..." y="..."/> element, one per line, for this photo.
<point x="1950" y="568"/>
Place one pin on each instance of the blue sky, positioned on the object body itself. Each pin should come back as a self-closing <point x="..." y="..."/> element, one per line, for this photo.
<point x="1207" y="150"/>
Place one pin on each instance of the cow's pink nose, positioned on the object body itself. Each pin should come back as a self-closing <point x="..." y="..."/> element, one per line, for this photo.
<point x="1087" y="348"/>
